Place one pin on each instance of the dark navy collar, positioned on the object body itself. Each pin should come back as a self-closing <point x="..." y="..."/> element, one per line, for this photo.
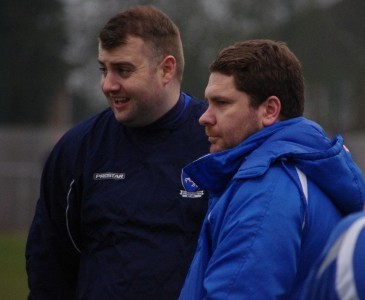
<point x="170" y="117"/>
<point x="160" y="129"/>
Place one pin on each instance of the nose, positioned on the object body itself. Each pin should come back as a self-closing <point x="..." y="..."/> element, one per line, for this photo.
<point x="207" y="118"/>
<point x="109" y="83"/>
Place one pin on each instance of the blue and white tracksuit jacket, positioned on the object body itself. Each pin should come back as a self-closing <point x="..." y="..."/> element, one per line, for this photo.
<point x="339" y="274"/>
<point x="274" y="200"/>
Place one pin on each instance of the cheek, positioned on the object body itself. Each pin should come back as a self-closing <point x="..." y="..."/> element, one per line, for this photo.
<point x="234" y="137"/>
<point x="141" y="85"/>
<point x="231" y="132"/>
<point x="238" y="128"/>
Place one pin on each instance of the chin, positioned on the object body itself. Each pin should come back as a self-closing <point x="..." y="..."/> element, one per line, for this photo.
<point x="214" y="149"/>
<point x="120" y="118"/>
<point x="217" y="148"/>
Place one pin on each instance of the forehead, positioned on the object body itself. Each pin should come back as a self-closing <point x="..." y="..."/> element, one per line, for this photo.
<point x="219" y="83"/>
<point x="134" y="48"/>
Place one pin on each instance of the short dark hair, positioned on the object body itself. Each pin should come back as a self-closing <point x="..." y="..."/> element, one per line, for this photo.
<point x="150" y="24"/>
<point x="263" y="68"/>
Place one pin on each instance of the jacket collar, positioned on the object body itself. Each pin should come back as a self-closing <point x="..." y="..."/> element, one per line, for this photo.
<point x="253" y="156"/>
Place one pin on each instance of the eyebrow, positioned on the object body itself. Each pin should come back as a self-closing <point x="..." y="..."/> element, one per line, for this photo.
<point x="218" y="98"/>
<point x="117" y="64"/>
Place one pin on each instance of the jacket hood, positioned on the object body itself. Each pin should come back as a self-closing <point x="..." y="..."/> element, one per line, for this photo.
<point x="324" y="161"/>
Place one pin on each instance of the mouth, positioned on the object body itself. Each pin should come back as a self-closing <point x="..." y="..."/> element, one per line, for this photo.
<point x="119" y="102"/>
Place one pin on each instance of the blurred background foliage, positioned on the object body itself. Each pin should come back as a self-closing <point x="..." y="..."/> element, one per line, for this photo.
<point x="49" y="74"/>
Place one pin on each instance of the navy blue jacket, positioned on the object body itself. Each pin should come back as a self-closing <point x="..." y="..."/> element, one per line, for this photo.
<point x="274" y="200"/>
<point x="114" y="220"/>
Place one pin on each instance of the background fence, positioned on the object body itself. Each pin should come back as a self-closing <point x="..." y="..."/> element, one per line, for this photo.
<point x="23" y="152"/>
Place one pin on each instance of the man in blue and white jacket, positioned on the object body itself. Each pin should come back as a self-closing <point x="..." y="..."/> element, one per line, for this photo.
<point x="277" y="184"/>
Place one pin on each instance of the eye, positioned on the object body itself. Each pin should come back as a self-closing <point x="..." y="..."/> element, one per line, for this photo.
<point x="222" y="102"/>
<point x="103" y="70"/>
<point x="124" y="72"/>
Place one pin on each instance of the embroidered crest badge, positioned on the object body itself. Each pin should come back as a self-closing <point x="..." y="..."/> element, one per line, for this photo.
<point x="191" y="190"/>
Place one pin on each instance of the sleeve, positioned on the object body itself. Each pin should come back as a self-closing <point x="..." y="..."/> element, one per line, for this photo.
<point x="51" y="257"/>
<point x="339" y="273"/>
<point x="259" y="238"/>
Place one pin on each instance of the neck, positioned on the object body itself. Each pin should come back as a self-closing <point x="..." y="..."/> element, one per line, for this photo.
<point x="172" y="96"/>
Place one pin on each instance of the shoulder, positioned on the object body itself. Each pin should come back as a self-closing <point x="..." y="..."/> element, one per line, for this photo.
<point x="94" y="126"/>
<point x="340" y="269"/>
<point x="85" y="127"/>
<point x="268" y="192"/>
<point x="197" y="105"/>
<point x="279" y="178"/>
<point x="75" y="138"/>
<point x="352" y="225"/>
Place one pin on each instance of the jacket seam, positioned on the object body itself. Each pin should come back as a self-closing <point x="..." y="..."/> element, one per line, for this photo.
<point x="247" y="257"/>
<point x="67" y="222"/>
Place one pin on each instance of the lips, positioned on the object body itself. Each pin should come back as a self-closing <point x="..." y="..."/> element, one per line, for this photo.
<point x="119" y="102"/>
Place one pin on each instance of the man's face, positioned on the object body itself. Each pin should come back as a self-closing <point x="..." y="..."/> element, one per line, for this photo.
<point x="132" y="83"/>
<point x="229" y="118"/>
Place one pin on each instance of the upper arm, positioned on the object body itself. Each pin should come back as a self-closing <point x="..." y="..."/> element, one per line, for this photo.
<point x="259" y="238"/>
<point x="51" y="261"/>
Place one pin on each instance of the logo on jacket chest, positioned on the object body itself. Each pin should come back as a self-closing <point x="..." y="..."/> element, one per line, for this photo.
<point x="191" y="190"/>
<point x="108" y="176"/>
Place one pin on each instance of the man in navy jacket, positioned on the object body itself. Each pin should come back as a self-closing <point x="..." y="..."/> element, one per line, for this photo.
<point x="277" y="184"/>
<point x="114" y="220"/>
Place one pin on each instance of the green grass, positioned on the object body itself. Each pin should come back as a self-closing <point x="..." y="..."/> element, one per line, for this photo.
<point x="13" y="279"/>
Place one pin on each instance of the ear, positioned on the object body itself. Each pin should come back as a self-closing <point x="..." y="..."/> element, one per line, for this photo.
<point x="168" y="68"/>
<point x="271" y="109"/>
